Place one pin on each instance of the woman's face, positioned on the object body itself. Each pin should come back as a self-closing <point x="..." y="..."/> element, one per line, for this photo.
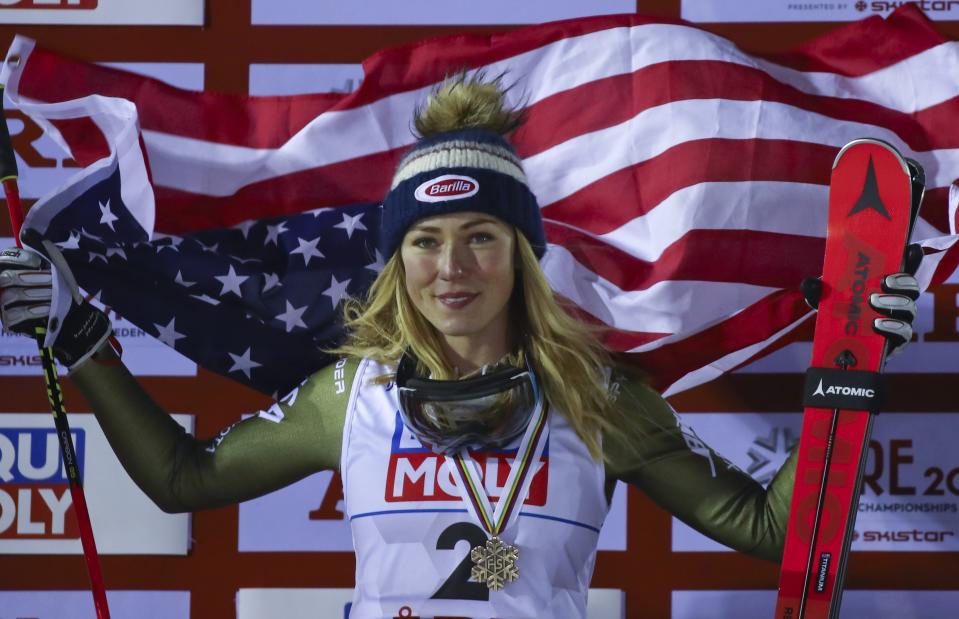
<point x="459" y="273"/>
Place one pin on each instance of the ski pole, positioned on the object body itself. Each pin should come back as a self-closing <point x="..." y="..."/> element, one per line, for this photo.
<point x="8" y="176"/>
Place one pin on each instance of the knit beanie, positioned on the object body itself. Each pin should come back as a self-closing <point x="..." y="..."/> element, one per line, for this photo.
<point x="462" y="162"/>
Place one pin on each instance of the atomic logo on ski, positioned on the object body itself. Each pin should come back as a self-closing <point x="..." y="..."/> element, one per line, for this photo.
<point x="861" y="392"/>
<point x="869" y="199"/>
<point x="818" y="390"/>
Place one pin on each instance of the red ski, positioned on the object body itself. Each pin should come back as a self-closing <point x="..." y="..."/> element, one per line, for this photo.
<point x="874" y="197"/>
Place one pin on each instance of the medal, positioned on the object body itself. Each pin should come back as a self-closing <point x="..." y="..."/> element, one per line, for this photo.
<point x="495" y="562"/>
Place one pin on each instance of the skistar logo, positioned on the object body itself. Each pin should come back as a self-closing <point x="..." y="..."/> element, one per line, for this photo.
<point x="861" y="392"/>
<point x="35" y="495"/>
<point x="21" y="360"/>
<point x="915" y="535"/>
<point x="927" y="6"/>
<point x="418" y="474"/>
<point x="447" y="187"/>
<point x="49" y="4"/>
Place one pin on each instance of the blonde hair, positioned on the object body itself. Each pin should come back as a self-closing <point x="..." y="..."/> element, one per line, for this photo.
<point x="569" y="360"/>
<point x="467" y="102"/>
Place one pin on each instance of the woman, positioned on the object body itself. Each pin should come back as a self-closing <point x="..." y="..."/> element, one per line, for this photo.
<point x="459" y="350"/>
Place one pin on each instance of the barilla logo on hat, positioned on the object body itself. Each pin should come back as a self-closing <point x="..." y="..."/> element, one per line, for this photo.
<point x="446" y="187"/>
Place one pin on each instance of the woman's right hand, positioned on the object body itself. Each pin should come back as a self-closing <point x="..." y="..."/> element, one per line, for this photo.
<point x="26" y="290"/>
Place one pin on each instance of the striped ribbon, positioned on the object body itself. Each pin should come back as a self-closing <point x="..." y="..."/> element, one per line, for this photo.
<point x="470" y="482"/>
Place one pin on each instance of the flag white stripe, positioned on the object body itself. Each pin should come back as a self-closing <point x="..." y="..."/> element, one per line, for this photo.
<point x="666" y="307"/>
<point x="953" y="208"/>
<point x="117" y="120"/>
<point x="777" y="207"/>
<point x="908" y="86"/>
<point x="566" y="168"/>
<point x="762" y="206"/>
<point x="724" y="364"/>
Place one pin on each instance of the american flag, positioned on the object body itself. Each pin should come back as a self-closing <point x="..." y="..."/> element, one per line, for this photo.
<point x="683" y="183"/>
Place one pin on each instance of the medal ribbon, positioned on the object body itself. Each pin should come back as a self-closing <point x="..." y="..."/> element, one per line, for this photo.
<point x="517" y="483"/>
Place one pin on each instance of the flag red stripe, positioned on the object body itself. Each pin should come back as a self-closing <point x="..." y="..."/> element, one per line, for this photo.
<point x="650" y="182"/>
<point x="947" y="266"/>
<point x="620" y="341"/>
<point x="217" y="117"/>
<point x="802" y="333"/>
<point x="614" y="339"/>
<point x="366" y="179"/>
<point x="860" y="47"/>
<point x="610" y="101"/>
<point x="741" y="256"/>
<point x="935" y="208"/>
<point x="87" y="142"/>
<point x="754" y="324"/>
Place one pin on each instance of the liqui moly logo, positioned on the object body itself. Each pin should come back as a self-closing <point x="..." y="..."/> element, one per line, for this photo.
<point x="417" y="474"/>
<point x="34" y="490"/>
<point x="447" y="187"/>
<point x="49" y="4"/>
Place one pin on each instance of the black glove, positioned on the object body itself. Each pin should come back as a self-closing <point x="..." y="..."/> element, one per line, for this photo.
<point x="896" y="302"/>
<point x="25" y="294"/>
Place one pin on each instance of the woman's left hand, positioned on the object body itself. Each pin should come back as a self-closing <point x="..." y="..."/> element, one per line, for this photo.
<point x="896" y="302"/>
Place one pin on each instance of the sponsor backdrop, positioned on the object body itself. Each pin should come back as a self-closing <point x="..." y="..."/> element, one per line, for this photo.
<point x="289" y="553"/>
<point x="855" y="604"/>
<point x="910" y="499"/>
<point x="807" y="11"/>
<point x="312" y="603"/>
<point x="79" y="604"/>
<point x="168" y="12"/>
<point x="36" y="508"/>
<point x="332" y="12"/>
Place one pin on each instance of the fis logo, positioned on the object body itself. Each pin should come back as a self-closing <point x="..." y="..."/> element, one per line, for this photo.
<point x="417" y="474"/>
<point x="859" y="392"/>
<point x="34" y="489"/>
<point x="87" y="5"/>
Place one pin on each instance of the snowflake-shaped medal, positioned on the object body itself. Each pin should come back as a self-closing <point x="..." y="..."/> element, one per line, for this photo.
<point x="495" y="563"/>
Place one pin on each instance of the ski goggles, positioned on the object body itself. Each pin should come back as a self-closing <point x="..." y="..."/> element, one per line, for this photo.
<point x="489" y="410"/>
